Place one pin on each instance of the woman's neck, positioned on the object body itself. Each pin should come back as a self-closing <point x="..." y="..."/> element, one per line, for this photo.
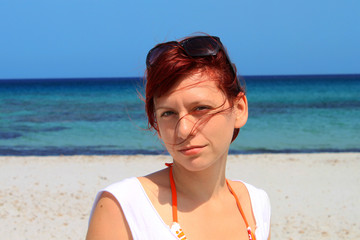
<point x="200" y="185"/>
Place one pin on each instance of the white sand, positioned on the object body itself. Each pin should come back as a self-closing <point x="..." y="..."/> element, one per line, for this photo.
<point x="313" y="196"/>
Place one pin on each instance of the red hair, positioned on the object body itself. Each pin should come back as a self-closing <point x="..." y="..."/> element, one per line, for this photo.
<point x="174" y="64"/>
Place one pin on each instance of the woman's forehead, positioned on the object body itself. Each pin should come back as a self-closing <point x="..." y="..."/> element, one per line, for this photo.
<point x="197" y="86"/>
<point x="198" y="81"/>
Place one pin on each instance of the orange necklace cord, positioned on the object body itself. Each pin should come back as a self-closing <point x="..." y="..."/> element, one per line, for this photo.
<point x="248" y="228"/>
<point x="174" y="201"/>
<point x="173" y="193"/>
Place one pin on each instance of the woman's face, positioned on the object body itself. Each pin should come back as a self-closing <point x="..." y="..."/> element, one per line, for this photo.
<point x="193" y="136"/>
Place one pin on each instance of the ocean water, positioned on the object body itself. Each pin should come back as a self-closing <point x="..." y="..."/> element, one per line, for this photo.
<point x="106" y="116"/>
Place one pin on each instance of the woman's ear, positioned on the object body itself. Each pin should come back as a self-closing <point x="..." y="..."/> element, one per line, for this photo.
<point x="241" y="110"/>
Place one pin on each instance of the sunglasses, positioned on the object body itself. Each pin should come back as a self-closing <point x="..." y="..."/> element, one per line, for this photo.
<point x="199" y="46"/>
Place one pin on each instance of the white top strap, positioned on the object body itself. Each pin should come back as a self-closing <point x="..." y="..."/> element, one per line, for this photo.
<point x="143" y="219"/>
<point x="261" y="208"/>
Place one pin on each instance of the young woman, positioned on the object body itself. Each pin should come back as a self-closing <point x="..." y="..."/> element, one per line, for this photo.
<point x="196" y="104"/>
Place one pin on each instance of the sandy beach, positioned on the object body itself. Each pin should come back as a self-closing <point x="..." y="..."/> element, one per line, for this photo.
<point x="313" y="196"/>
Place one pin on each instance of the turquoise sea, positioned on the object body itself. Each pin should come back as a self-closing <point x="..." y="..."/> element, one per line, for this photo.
<point x="105" y="116"/>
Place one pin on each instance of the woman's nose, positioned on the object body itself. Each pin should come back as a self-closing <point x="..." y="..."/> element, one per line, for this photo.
<point x="185" y="127"/>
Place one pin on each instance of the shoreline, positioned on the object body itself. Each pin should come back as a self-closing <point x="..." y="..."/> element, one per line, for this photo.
<point x="69" y="152"/>
<point x="312" y="194"/>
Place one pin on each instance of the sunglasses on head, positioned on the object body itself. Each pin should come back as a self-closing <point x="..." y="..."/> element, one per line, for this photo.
<point x="199" y="46"/>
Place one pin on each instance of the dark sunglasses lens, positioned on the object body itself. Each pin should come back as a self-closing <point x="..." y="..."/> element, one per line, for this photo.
<point x="156" y="52"/>
<point x="202" y="46"/>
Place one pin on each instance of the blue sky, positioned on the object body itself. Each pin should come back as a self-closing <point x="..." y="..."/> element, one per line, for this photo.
<point x="110" y="38"/>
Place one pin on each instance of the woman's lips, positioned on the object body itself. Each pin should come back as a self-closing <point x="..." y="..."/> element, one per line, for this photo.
<point x="191" y="150"/>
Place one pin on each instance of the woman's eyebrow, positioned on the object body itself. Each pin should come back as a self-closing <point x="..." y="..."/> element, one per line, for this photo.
<point x="161" y="107"/>
<point x="190" y="104"/>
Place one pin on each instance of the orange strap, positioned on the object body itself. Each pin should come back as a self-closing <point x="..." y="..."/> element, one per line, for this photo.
<point x="248" y="228"/>
<point x="173" y="193"/>
<point x="174" y="202"/>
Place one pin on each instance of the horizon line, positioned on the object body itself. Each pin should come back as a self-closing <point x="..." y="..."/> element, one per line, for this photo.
<point x="138" y="77"/>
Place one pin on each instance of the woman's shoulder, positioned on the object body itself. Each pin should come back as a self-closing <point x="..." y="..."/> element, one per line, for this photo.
<point x="107" y="214"/>
<point x="130" y="187"/>
<point x="155" y="181"/>
<point x="157" y="186"/>
<point x="261" y="208"/>
<point x="241" y="186"/>
<point x="259" y="199"/>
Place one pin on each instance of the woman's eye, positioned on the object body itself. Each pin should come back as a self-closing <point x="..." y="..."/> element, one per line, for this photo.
<point x="167" y="114"/>
<point x="202" y="108"/>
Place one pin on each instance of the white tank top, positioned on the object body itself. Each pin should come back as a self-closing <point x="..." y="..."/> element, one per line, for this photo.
<point x="145" y="222"/>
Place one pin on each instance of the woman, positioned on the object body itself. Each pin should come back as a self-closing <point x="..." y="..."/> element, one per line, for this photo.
<point x="197" y="106"/>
